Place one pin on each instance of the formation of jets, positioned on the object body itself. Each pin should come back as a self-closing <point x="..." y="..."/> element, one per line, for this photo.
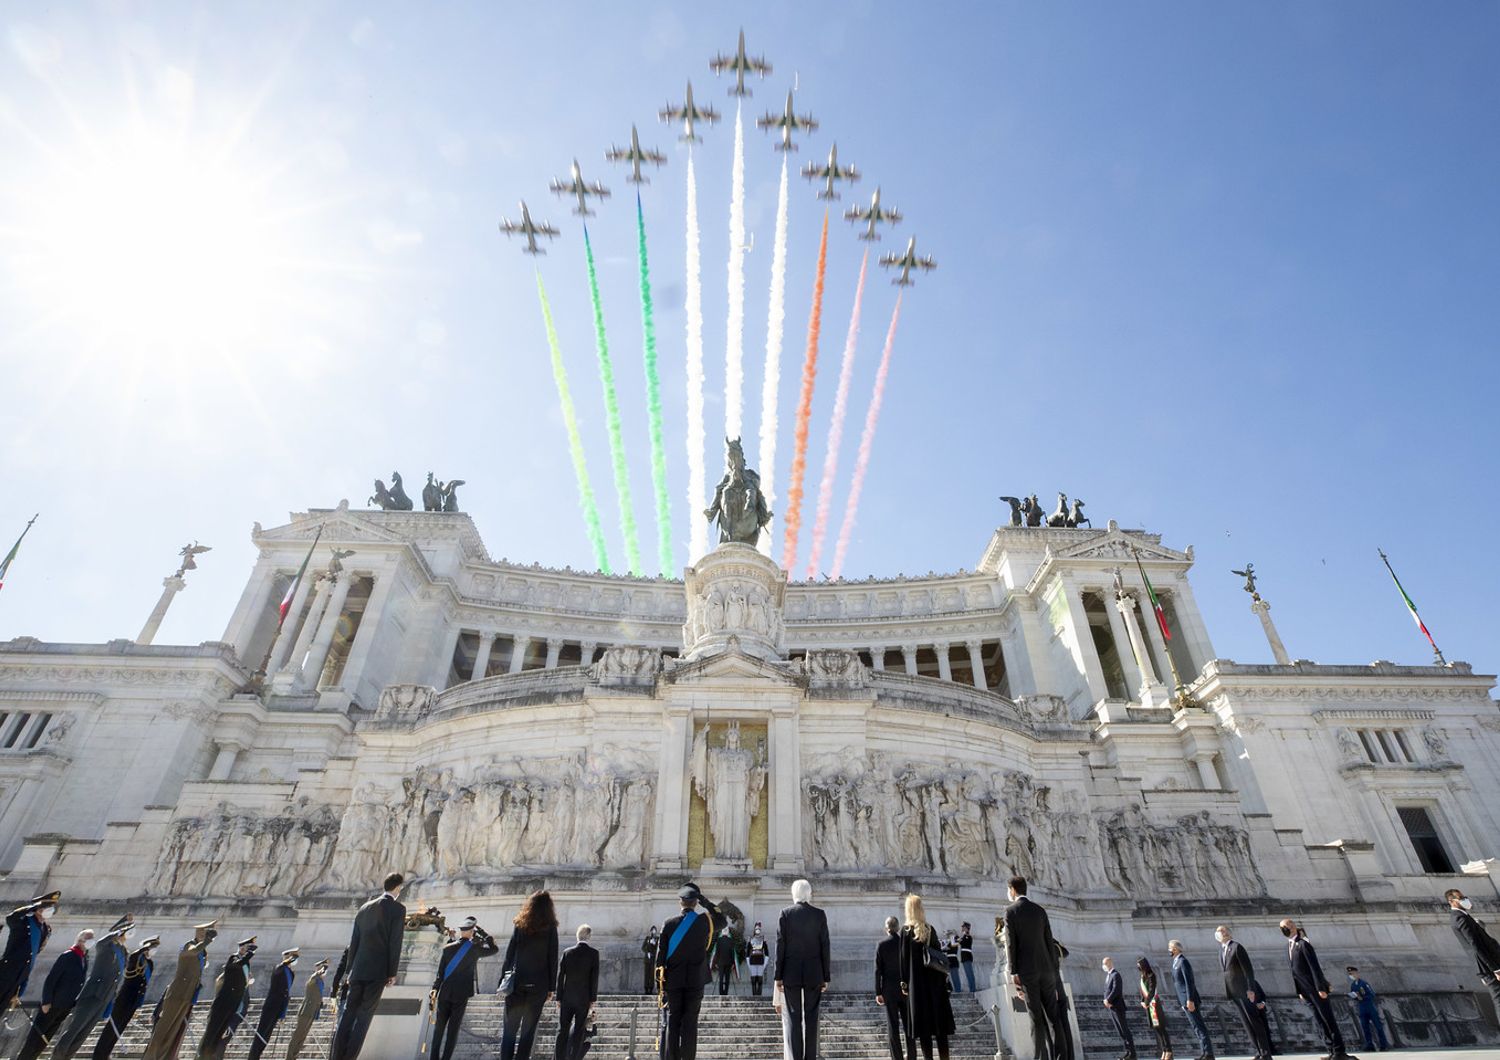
<point x="906" y="261"/>
<point x="634" y="155"/>
<point x="529" y="229"/>
<point x="788" y="121"/>
<point x="691" y="114"/>
<point x="576" y="186"/>
<point x="830" y="173"/>
<point x="740" y="64"/>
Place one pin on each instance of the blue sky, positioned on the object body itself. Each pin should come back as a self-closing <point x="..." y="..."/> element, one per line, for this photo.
<point x="1226" y="273"/>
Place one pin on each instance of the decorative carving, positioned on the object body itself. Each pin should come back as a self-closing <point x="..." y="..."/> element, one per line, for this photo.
<point x="738" y="505"/>
<point x="734" y="591"/>
<point x="729" y="779"/>
<point x="627" y="666"/>
<point x="833" y="668"/>
<point x="406" y="704"/>
<point x="1349" y="747"/>
<point x="1437" y="745"/>
<point x="57" y="730"/>
<point x="1193" y="856"/>
<point x="244" y="854"/>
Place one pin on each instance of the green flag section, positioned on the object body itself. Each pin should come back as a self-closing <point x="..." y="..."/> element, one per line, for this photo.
<point x="11" y="555"/>
<point x="1410" y="606"/>
<point x="1160" y="612"/>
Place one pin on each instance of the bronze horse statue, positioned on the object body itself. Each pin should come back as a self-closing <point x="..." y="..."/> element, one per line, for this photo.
<point x="739" y="505"/>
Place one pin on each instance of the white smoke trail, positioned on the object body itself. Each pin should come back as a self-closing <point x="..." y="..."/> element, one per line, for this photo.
<point x="836" y="427"/>
<point x="775" y="327"/>
<point x="866" y="443"/>
<point x="697" y="487"/>
<point x="734" y="347"/>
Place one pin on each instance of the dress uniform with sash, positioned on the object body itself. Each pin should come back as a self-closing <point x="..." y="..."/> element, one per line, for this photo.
<point x="138" y="969"/>
<point x="312" y="1007"/>
<point x="59" y="994"/>
<point x="232" y="991"/>
<point x="28" y="934"/>
<point x="106" y="973"/>
<point x="278" y="999"/>
<point x="758" y="951"/>
<point x="177" y="1002"/>
<point x="457" y="976"/>
<point x="683" y="972"/>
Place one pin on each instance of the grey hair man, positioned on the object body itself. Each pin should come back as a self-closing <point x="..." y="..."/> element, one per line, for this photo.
<point x="577" y="992"/>
<point x="888" y="977"/>
<point x="804" y="968"/>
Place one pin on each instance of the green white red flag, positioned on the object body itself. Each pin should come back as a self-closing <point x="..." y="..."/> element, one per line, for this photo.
<point x="1410" y="606"/>
<point x="5" y="563"/>
<point x="1161" y="614"/>
<point x="291" y="590"/>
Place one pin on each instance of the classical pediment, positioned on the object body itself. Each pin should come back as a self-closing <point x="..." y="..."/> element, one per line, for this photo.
<point x="733" y="665"/>
<point x="337" y="526"/>
<point x="1117" y="544"/>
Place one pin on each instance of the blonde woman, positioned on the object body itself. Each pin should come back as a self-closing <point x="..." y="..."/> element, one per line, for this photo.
<point x="924" y="981"/>
<point x="778" y="1002"/>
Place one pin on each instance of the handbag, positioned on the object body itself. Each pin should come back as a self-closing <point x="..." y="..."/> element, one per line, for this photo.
<point x="507" y="985"/>
<point x="935" y="961"/>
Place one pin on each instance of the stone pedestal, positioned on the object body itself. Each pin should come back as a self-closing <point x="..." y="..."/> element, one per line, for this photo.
<point x="170" y="587"/>
<point x="734" y="594"/>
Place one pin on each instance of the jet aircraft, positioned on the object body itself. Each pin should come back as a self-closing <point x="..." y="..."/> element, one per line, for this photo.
<point x="788" y="122"/>
<point x="740" y="64"/>
<point x="906" y="262"/>
<point x="875" y="215"/>
<point x="578" y="187"/>
<point x="530" y="230"/>
<point x="634" y="156"/>
<point x="689" y="114"/>
<point x="830" y="173"/>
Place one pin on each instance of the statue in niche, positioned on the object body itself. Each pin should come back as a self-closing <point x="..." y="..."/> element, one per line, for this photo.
<point x="739" y="506"/>
<point x="729" y="779"/>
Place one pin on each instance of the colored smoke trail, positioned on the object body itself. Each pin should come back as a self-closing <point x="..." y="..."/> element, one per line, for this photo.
<point x="697" y="486"/>
<point x="804" y="409"/>
<point x="612" y="419"/>
<point x="775" y="328"/>
<point x="653" y="402"/>
<point x="836" y="427"/>
<point x="866" y="440"/>
<point x="575" y="442"/>
<point x="734" y="347"/>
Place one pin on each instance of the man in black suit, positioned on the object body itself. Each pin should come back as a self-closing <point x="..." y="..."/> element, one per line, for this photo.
<point x="1114" y="1001"/>
<point x="804" y="967"/>
<point x="1032" y="954"/>
<point x="577" y="990"/>
<point x="1312" y="987"/>
<point x="1241" y="988"/>
<point x="231" y="995"/>
<point x="888" y="985"/>
<point x="60" y="993"/>
<point x="683" y="959"/>
<point x="278" y="1001"/>
<point x="648" y="960"/>
<point x="374" y="956"/>
<point x="1480" y="943"/>
<point x="456" y="974"/>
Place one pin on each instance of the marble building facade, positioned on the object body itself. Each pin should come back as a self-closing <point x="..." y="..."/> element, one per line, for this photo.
<point x="490" y="727"/>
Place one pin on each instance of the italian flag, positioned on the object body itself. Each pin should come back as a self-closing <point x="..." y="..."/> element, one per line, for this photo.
<point x="1409" y="605"/>
<point x="1161" y="614"/>
<point x="291" y="590"/>
<point x="5" y="563"/>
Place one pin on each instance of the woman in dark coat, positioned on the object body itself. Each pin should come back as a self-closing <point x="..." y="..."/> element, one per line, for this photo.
<point x="929" y="1013"/>
<point x="531" y="963"/>
<point x="1155" y="1013"/>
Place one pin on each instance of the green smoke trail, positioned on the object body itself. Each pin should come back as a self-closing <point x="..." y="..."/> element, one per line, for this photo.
<point x="612" y="420"/>
<point x="575" y="442"/>
<point x="653" y="403"/>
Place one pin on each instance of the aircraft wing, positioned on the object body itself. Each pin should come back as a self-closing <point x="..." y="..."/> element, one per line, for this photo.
<point x="544" y="229"/>
<point x="893" y="216"/>
<point x="672" y="113"/>
<point x="654" y="156"/>
<point x="719" y="63"/>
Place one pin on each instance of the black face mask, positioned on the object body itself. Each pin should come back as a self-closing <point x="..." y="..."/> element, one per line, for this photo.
<point x="1287" y="932"/>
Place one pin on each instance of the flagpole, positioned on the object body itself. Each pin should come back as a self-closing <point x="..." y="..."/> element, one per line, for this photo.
<point x="1180" y="698"/>
<point x="9" y="556"/>
<point x="258" y="678"/>
<point x="1412" y="607"/>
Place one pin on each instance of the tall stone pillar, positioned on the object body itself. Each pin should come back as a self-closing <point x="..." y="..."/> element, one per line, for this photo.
<point x="224" y="761"/>
<point x="586" y="652"/>
<point x="1158" y="645"/>
<point x="877" y="658"/>
<point x="288" y="677"/>
<point x="945" y="666"/>
<point x="785" y="802"/>
<point x="1152" y="692"/>
<point x="1085" y="654"/>
<point x="171" y="586"/>
<point x="444" y="665"/>
<point x="909" y="653"/>
<point x="554" y="651"/>
<point x="672" y="791"/>
<point x="1278" y="649"/>
<point x="1124" y="649"/>
<point x="281" y="648"/>
<point x="518" y="653"/>
<point x="976" y="664"/>
<point x="317" y="655"/>
<point x="369" y="627"/>
<point x="482" y="657"/>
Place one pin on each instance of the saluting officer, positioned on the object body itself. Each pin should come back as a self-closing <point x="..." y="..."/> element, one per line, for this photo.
<point x="138" y="969"/>
<point x="28" y="935"/>
<point x="648" y="960"/>
<point x="228" y="1008"/>
<point x="684" y="970"/>
<point x="278" y="999"/>
<point x="176" y="1004"/>
<point x="312" y="1008"/>
<point x="455" y="984"/>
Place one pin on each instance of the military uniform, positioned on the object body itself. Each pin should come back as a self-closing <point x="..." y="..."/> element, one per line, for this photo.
<point x="59" y="993"/>
<point x="138" y="969"/>
<point x="759" y="951"/>
<point x="28" y="935"/>
<point x="177" y="1002"/>
<point x="648" y="961"/>
<point x="684" y="951"/>
<point x="278" y="998"/>
<point x="231" y="994"/>
<point x="457" y="973"/>
<point x="98" y="993"/>
<point x="311" y="1009"/>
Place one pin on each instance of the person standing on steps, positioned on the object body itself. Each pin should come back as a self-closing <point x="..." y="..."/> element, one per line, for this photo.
<point x="1367" y="1008"/>
<point x="1241" y="988"/>
<point x="758" y="952"/>
<point x="1114" y="1002"/>
<point x="804" y="967"/>
<point x="1188" y="999"/>
<point x="374" y="958"/>
<point x="106" y="972"/>
<point x="950" y="948"/>
<point x="924" y="982"/>
<point x="683" y="968"/>
<point x="176" y="1004"/>
<point x="1156" y="1015"/>
<point x="1033" y="955"/>
<point x="1482" y="947"/>
<point x="227" y="1010"/>
<point x="312" y="1007"/>
<point x="278" y="1000"/>
<point x="1313" y="988"/>
<point x="138" y="971"/>
<point x="888" y="992"/>
<point x="528" y="978"/>
<point x="59" y="994"/>
<point x="725" y="960"/>
<point x="966" y="955"/>
<point x="29" y="930"/>
<point x="577" y="993"/>
<point x="457" y="973"/>
<point x="648" y="960"/>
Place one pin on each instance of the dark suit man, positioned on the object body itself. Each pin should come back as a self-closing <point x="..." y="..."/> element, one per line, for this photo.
<point x="888" y="992"/>
<point x="804" y="968"/>
<point x="374" y="957"/>
<point x="278" y="1001"/>
<point x="1481" y="945"/>
<point x="577" y="990"/>
<point x="683" y="958"/>
<point x="138" y="970"/>
<point x="1241" y="988"/>
<point x="1032" y="954"/>
<point x="28" y="936"/>
<point x="227" y="1010"/>
<point x="457" y="974"/>
<point x="1187" y="997"/>
<point x="1114" y="1003"/>
<point x="60" y="992"/>
<point x="1312" y="987"/>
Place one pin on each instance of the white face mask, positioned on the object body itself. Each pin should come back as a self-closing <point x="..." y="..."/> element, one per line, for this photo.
<point x="1220" y="938"/>
<point x="1464" y="903"/>
<point x="46" y="912"/>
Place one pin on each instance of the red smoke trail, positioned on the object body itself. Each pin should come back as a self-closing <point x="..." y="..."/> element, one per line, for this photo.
<point x="865" y="442"/>
<point x="804" y="409"/>
<point x="836" y="425"/>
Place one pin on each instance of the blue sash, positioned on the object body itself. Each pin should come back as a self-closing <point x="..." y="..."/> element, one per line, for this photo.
<point x="120" y="962"/>
<point x="322" y="993"/>
<point x="681" y="932"/>
<point x="457" y="957"/>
